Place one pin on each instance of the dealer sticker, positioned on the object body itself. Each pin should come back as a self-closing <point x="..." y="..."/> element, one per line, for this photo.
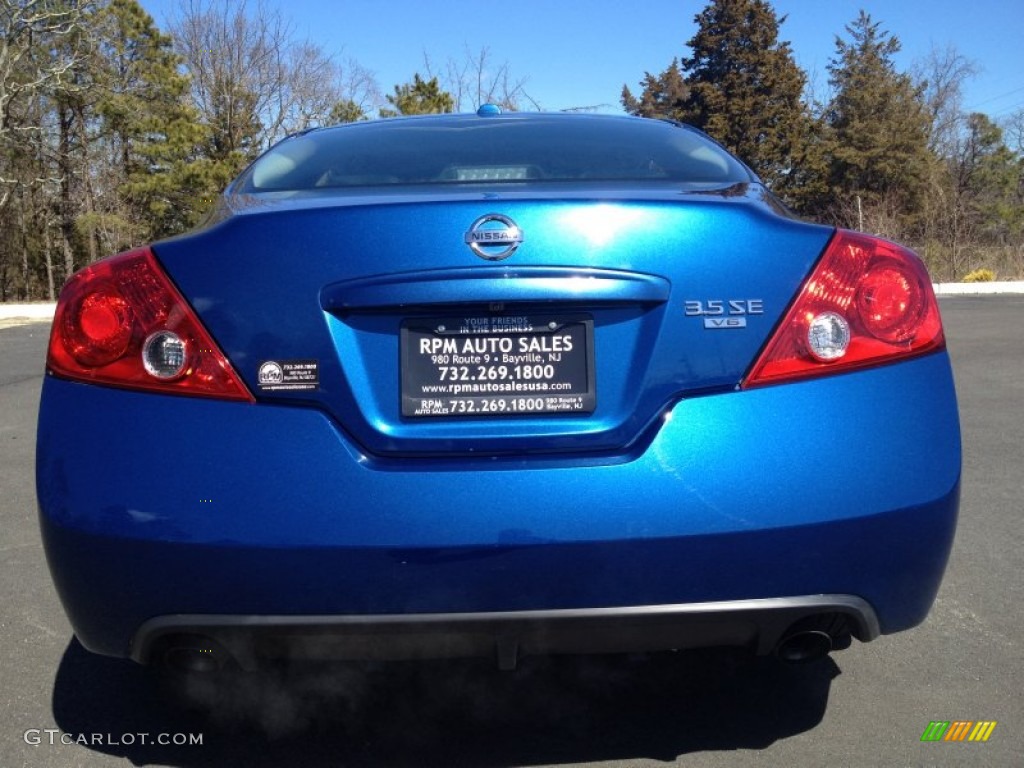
<point x="288" y="375"/>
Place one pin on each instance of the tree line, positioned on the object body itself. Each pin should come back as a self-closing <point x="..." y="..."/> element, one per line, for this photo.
<point x="884" y="151"/>
<point x="114" y="132"/>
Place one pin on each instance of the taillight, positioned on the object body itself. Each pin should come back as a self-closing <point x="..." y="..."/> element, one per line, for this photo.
<point x="867" y="302"/>
<point x="122" y="322"/>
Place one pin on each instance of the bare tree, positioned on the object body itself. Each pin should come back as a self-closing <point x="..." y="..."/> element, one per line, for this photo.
<point x="946" y="229"/>
<point x="34" y="60"/>
<point x="315" y="105"/>
<point x="476" y="79"/>
<point x="1013" y="129"/>
<point x="252" y="81"/>
<point x="942" y="73"/>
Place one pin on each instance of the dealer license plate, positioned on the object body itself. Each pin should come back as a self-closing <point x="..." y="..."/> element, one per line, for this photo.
<point x="498" y="366"/>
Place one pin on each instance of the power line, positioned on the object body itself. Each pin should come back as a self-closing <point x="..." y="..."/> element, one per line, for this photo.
<point x="996" y="98"/>
<point x="1008" y="110"/>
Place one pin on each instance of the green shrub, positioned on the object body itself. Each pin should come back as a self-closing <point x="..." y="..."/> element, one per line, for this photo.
<point x="980" y="276"/>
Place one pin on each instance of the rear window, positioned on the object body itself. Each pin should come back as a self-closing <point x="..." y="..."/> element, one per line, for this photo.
<point x="511" y="149"/>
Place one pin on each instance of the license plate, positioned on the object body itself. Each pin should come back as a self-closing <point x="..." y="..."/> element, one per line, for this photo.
<point x="498" y="366"/>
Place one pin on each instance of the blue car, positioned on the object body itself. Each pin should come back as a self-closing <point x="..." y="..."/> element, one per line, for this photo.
<point x="497" y="385"/>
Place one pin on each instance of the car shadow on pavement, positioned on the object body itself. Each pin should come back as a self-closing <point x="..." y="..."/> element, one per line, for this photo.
<point x="551" y="710"/>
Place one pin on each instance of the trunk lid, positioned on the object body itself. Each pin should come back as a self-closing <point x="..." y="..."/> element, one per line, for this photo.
<point x="333" y="302"/>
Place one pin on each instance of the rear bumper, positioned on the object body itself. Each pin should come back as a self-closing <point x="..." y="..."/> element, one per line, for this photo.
<point x="756" y="624"/>
<point x="155" y="506"/>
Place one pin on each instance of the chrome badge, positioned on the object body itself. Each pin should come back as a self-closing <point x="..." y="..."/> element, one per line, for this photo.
<point x="724" y="313"/>
<point x="494" y="237"/>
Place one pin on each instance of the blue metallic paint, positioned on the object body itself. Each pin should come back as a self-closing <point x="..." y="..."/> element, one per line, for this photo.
<point x="841" y="484"/>
<point x="260" y="305"/>
<point x="679" y="488"/>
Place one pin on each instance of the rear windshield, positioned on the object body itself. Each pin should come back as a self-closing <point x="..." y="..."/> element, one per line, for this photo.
<point x="512" y="149"/>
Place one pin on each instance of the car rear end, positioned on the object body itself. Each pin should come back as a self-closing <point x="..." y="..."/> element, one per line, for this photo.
<point x="543" y="416"/>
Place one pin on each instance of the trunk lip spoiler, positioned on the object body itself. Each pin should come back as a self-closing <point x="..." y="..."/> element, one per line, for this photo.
<point x="488" y="285"/>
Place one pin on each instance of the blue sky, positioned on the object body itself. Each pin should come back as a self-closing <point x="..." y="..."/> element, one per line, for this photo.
<point x="576" y="53"/>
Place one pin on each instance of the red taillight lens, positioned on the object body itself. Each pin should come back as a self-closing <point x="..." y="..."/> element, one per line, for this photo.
<point x="98" y="327"/>
<point x="891" y="301"/>
<point x="106" y="314"/>
<point x="878" y="290"/>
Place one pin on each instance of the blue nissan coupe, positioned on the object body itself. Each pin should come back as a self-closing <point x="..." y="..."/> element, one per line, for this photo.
<point x="496" y="385"/>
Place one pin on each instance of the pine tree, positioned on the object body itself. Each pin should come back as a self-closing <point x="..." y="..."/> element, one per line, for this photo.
<point x="663" y="96"/>
<point x="420" y="97"/>
<point x="346" y="111"/>
<point x="743" y="87"/>
<point x="989" y="176"/>
<point x="879" y="124"/>
<point x="153" y="130"/>
<point x="746" y="88"/>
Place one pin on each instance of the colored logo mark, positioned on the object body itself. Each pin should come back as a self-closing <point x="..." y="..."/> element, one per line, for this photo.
<point x="958" y="730"/>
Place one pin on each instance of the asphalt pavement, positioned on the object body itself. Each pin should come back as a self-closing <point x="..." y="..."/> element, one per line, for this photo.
<point x="865" y="706"/>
